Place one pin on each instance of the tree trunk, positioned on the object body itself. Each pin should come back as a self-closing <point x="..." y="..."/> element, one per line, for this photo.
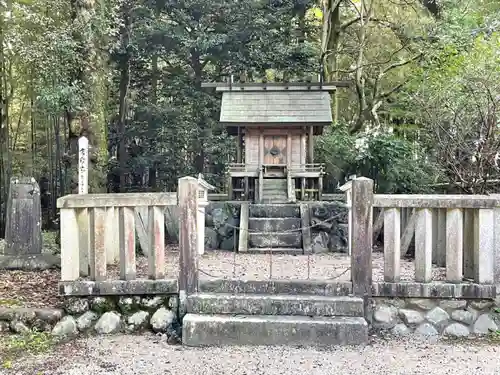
<point x="198" y="76"/>
<point x="123" y="93"/>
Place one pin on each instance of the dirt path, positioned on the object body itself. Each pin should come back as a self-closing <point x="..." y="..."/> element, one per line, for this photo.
<point x="149" y="355"/>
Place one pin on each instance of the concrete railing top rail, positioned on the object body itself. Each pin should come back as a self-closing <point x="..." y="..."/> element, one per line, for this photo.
<point x="117" y="200"/>
<point x="435" y="201"/>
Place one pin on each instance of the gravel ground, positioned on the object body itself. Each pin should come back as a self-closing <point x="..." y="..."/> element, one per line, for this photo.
<point x="328" y="266"/>
<point x="39" y="289"/>
<point x="138" y="355"/>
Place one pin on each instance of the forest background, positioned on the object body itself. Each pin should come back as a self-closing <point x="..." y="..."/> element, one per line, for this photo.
<point x="421" y="113"/>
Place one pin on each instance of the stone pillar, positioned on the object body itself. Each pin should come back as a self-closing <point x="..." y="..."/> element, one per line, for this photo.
<point x="200" y="218"/>
<point x="362" y="236"/>
<point x="347" y="188"/>
<point x="188" y="241"/>
<point x="23" y="230"/>
<point x="203" y="188"/>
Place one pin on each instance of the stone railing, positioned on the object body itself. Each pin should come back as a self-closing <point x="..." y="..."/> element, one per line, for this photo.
<point x="99" y="229"/>
<point x="457" y="230"/>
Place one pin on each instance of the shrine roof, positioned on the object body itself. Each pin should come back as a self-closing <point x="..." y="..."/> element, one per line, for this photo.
<point x="276" y="103"/>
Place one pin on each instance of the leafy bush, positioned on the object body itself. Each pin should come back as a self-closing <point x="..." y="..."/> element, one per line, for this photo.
<point x="395" y="164"/>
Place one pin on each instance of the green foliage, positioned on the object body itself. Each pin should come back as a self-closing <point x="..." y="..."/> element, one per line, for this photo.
<point x="29" y="343"/>
<point x="427" y="87"/>
<point x="394" y="164"/>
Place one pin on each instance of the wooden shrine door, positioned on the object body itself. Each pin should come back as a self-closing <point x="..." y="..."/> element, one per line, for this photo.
<point x="275" y="151"/>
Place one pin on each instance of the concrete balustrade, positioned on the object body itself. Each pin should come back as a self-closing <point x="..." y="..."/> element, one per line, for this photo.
<point x="99" y="229"/>
<point x="458" y="232"/>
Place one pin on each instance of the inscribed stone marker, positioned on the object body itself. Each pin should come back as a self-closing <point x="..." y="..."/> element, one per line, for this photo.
<point x="23" y="232"/>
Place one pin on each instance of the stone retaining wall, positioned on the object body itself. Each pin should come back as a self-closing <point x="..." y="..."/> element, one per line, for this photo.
<point x="101" y="315"/>
<point x="431" y="317"/>
<point x="329" y="228"/>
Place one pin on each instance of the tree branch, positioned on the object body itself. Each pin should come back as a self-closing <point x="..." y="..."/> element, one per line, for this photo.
<point x="401" y="63"/>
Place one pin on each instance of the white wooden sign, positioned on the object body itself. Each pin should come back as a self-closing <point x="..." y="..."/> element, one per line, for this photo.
<point x="83" y="165"/>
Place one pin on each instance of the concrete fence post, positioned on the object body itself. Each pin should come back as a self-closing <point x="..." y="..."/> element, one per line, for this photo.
<point x="362" y="236"/>
<point x="188" y="237"/>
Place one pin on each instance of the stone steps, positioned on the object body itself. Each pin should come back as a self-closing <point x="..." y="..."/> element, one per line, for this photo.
<point x="223" y="330"/>
<point x="275" y="200"/>
<point x="278" y="211"/>
<point x="274" y="191"/>
<point x="284" y="304"/>
<point x="276" y="250"/>
<point x="275" y="239"/>
<point x="273" y="224"/>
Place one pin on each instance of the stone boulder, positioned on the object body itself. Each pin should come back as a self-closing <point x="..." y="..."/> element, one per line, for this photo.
<point x="162" y="319"/>
<point x="329" y="227"/>
<point x="66" y="327"/>
<point x="108" y="323"/>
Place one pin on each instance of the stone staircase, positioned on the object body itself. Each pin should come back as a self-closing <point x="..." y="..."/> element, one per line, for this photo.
<point x="261" y="319"/>
<point x="275" y="228"/>
<point x="274" y="190"/>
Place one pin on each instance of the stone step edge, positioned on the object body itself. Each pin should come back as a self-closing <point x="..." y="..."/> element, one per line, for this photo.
<point x="273" y="304"/>
<point x="274" y="218"/>
<point x="293" y="231"/>
<point x="275" y="250"/>
<point x="230" y="330"/>
<point x="278" y="297"/>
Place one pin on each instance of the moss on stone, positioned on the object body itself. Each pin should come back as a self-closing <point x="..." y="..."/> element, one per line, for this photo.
<point x="7" y="302"/>
<point x="103" y="304"/>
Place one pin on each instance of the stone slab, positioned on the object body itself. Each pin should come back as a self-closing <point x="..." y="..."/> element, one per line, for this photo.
<point x="30" y="262"/>
<point x="435" y="201"/>
<point x="276" y="250"/>
<point x="247" y="304"/>
<point x="294" y="287"/>
<point x="275" y="210"/>
<point x="23" y="226"/>
<point x="433" y="290"/>
<point x="117" y="200"/>
<point x="275" y="239"/>
<point x="118" y="287"/>
<point x="227" y="330"/>
<point x="274" y="224"/>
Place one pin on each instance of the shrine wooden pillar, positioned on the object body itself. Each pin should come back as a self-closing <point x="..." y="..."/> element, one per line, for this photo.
<point x="239" y="158"/>
<point x="310" y="153"/>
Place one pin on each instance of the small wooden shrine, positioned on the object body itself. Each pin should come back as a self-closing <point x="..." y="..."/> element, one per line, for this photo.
<point x="274" y="125"/>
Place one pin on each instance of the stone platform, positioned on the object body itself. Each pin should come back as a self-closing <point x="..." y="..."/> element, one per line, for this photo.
<point x="225" y="319"/>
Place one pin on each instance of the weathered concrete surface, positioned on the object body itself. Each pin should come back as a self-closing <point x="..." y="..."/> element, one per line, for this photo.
<point x="117" y="200"/>
<point x="276" y="250"/>
<point x="274" y="305"/>
<point x="273" y="224"/>
<point x="435" y="201"/>
<point x="275" y="239"/>
<point x="118" y="287"/>
<point x="275" y="210"/>
<point x="23" y="229"/>
<point x="433" y="290"/>
<point x="30" y="262"/>
<point x="219" y="330"/>
<point x="293" y="287"/>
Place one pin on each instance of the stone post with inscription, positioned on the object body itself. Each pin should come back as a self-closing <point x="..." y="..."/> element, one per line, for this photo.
<point x="23" y="231"/>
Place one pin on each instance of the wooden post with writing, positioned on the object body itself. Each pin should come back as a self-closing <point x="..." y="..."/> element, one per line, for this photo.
<point x="188" y="237"/>
<point x="362" y="236"/>
<point x="83" y="165"/>
<point x="83" y="217"/>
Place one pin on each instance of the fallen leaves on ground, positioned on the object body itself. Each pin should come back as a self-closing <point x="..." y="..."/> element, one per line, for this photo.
<point x="30" y="289"/>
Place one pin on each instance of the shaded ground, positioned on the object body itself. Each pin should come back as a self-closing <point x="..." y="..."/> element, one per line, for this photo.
<point x="141" y="355"/>
<point x="39" y="289"/>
